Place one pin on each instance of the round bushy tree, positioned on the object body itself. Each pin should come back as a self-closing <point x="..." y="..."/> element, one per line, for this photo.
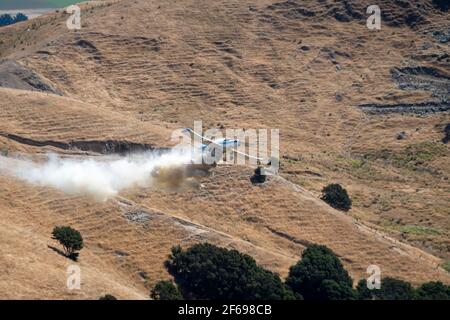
<point x="70" y="239"/>
<point x="394" y="289"/>
<point x="331" y="290"/>
<point x="433" y="291"/>
<point x="6" y="19"/>
<point x="205" y="271"/>
<point x="364" y="293"/>
<point x="320" y="275"/>
<point x="165" y="290"/>
<point x="337" y="197"/>
<point x="20" y="17"/>
<point x="391" y="289"/>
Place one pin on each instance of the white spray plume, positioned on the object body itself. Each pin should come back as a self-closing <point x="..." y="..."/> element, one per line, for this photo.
<point x="100" y="177"/>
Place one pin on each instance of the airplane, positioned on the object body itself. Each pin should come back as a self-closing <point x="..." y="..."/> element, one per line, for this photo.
<point x="270" y="164"/>
<point x="226" y="144"/>
<point x="222" y="142"/>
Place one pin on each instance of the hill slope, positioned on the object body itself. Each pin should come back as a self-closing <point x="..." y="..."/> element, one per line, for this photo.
<point x="139" y="69"/>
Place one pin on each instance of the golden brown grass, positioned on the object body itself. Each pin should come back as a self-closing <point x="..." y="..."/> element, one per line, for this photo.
<point x="151" y="66"/>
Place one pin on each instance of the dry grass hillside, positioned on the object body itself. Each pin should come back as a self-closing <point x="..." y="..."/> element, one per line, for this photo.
<point x="365" y="108"/>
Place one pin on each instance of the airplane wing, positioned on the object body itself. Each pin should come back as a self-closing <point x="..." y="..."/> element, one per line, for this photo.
<point x="213" y="142"/>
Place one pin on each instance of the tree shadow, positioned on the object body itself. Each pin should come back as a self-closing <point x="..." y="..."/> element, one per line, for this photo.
<point x="73" y="256"/>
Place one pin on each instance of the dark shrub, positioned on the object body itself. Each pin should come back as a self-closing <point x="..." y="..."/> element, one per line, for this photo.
<point x="446" y="137"/>
<point x="391" y="289"/>
<point x="20" y="17"/>
<point x="205" y="271"/>
<point x="258" y="176"/>
<point x="364" y="293"/>
<point x="394" y="289"/>
<point x="331" y="290"/>
<point x="319" y="275"/>
<point x="107" y="297"/>
<point x="6" y="19"/>
<point x="165" y="290"/>
<point x="433" y="291"/>
<point x="337" y="197"/>
<point x="443" y="5"/>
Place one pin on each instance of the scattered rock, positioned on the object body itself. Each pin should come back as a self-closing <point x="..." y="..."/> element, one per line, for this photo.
<point x="443" y="36"/>
<point x="312" y="173"/>
<point x="121" y="254"/>
<point x="143" y="275"/>
<point x="292" y="157"/>
<point x="137" y="216"/>
<point x="304" y="48"/>
<point x="17" y="76"/>
<point x="401" y="135"/>
<point x="90" y="48"/>
<point x="299" y="13"/>
<point x="418" y="108"/>
<point x="86" y="45"/>
<point x="426" y="46"/>
<point x="423" y="78"/>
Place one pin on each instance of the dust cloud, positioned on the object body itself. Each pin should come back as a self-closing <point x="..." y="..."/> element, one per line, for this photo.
<point x="102" y="177"/>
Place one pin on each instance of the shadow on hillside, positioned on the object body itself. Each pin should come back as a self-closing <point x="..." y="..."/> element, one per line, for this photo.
<point x="73" y="257"/>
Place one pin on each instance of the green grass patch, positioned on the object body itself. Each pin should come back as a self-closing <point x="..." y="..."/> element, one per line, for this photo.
<point x="356" y="163"/>
<point x="414" y="154"/>
<point x="419" y="230"/>
<point x="348" y="162"/>
<point x="446" y="266"/>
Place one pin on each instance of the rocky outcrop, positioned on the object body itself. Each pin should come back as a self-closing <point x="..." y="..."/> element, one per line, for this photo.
<point x="17" y="76"/>
<point x="102" y="147"/>
<point x="423" y="78"/>
<point x="418" y="108"/>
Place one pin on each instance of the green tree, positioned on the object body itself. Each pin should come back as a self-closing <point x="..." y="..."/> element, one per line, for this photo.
<point x="433" y="291"/>
<point x="70" y="239"/>
<point x="390" y="289"/>
<point x="6" y="19"/>
<point x="20" y="17"/>
<point x="205" y="271"/>
<point x="364" y="293"/>
<point x="337" y="197"/>
<point x="320" y="275"/>
<point x="331" y="290"/>
<point x="165" y="290"/>
<point x="107" y="297"/>
<point x="394" y="289"/>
